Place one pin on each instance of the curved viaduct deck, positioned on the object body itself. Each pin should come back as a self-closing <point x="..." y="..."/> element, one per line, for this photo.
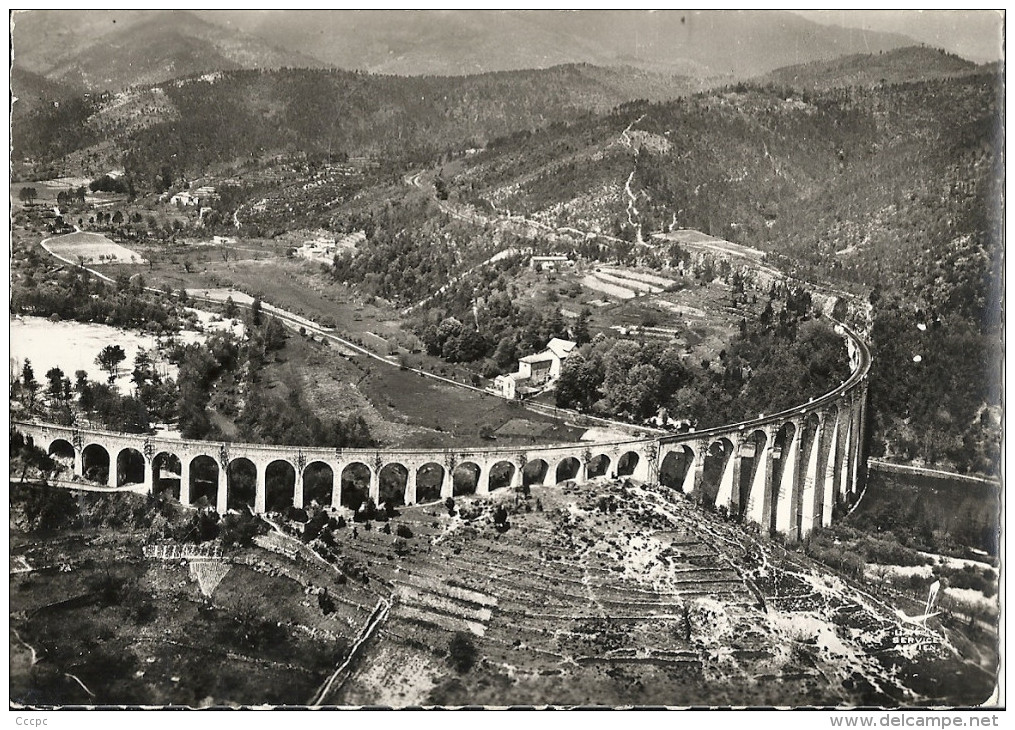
<point x="786" y="472"/>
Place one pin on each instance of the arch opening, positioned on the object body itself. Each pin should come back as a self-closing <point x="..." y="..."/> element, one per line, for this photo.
<point x="567" y="469"/>
<point x="130" y="467"/>
<point x="394" y="478"/>
<point x="279" y="486"/>
<point x="465" y="479"/>
<point x="808" y="435"/>
<point x="751" y="453"/>
<point x="534" y="472"/>
<point x="63" y="451"/>
<point x="675" y="466"/>
<point x="429" y="479"/>
<point x="204" y="481"/>
<point x="95" y="464"/>
<point x="241" y="484"/>
<point x="599" y="466"/>
<point x="782" y="477"/>
<point x="167" y="473"/>
<point x="627" y="464"/>
<point x="714" y="466"/>
<point x="355" y="485"/>
<point x="501" y="475"/>
<point x="318" y="484"/>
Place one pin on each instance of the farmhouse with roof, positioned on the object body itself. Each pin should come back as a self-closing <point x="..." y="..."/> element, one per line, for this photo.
<point x="535" y="372"/>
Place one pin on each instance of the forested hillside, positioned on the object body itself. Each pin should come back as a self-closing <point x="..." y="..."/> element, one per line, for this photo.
<point x="912" y="63"/>
<point x="200" y="121"/>
<point x="893" y="191"/>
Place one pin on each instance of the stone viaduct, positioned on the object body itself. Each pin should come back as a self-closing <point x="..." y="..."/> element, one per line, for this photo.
<point x="787" y="471"/>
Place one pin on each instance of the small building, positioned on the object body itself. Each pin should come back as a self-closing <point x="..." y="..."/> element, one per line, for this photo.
<point x="536" y="372"/>
<point x="202" y="197"/>
<point x="550" y="263"/>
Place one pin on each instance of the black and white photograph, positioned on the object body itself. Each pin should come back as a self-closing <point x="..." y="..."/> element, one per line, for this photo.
<point x="575" y="358"/>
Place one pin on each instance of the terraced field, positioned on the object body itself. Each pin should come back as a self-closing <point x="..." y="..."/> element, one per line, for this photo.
<point x="650" y="602"/>
<point x="607" y="593"/>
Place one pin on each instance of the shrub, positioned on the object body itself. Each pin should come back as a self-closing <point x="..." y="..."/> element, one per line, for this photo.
<point x="462" y="652"/>
<point x="403" y="531"/>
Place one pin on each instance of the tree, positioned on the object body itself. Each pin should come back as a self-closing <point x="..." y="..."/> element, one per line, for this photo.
<point x="27" y="195"/>
<point x="30" y="384"/>
<point x="255" y="312"/>
<point x="581" y="328"/>
<point x="274" y="335"/>
<point x="230" y="308"/>
<point x="55" y="378"/>
<point x="500" y="516"/>
<point x="109" y="359"/>
<point x="461" y="652"/>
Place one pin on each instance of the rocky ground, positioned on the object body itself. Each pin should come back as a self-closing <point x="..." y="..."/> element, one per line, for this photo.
<point x="627" y="594"/>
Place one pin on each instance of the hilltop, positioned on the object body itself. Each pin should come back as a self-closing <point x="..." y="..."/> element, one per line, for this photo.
<point x="913" y="63"/>
<point x="112" y="49"/>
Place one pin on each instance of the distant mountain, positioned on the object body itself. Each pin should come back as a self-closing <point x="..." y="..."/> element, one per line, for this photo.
<point x="914" y="63"/>
<point x="419" y="42"/>
<point x="112" y="50"/>
<point x="34" y="92"/>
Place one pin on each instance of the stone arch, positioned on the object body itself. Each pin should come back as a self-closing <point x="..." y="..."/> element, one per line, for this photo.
<point x="204" y="481"/>
<point x="355" y="484"/>
<point x="534" y="472"/>
<point x="783" y="471"/>
<point x="279" y="486"/>
<point x="63" y="450"/>
<point x="599" y="466"/>
<point x="393" y="478"/>
<point x="627" y="463"/>
<point x="808" y="434"/>
<point x="241" y="484"/>
<point x="715" y="462"/>
<point x="834" y="455"/>
<point x="429" y="479"/>
<point x="167" y="474"/>
<point x="318" y="483"/>
<point x="465" y="478"/>
<point x="567" y="469"/>
<point x="751" y="452"/>
<point x="501" y="475"/>
<point x="130" y="467"/>
<point x="675" y="467"/>
<point x="95" y="463"/>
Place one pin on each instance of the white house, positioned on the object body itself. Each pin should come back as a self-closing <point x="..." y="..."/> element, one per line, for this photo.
<point x="549" y="263"/>
<point x="536" y="372"/>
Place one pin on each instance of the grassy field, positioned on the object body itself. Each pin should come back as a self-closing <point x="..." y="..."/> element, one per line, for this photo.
<point x="91" y="248"/>
<point x="402" y="408"/>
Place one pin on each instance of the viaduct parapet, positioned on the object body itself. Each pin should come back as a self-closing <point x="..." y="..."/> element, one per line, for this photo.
<point x="789" y="472"/>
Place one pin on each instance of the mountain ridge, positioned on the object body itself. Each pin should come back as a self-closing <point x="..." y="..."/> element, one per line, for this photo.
<point x="119" y="49"/>
<point x="112" y="50"/>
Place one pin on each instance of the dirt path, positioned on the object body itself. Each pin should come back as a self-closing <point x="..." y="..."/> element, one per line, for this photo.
<point x="344" y="671"/>
<point x="632" y="199"/>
